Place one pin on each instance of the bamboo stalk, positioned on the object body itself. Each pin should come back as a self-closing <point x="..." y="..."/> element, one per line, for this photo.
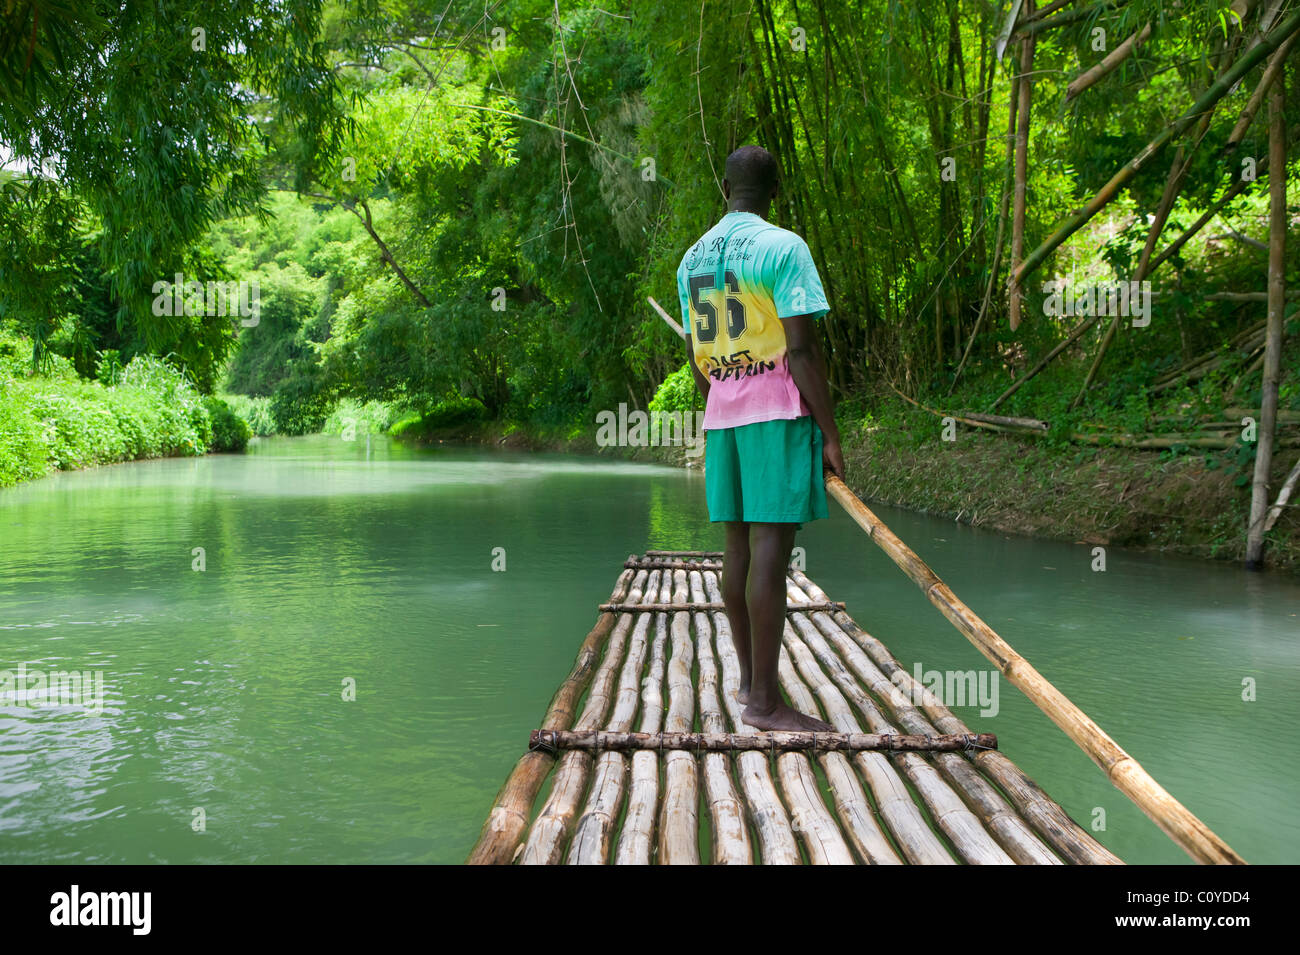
<point x="1047" y="818"/>
<point x="1003" y="203"/>
<point x="1123" y="770"/>
<point x="1108" y="64"/>
<point x="508" y="818"/>
<point x="1216" y="91"/>
<point x="1024" y="88"/>
<point x="1271" y="73"/>
<point x="679" y="813"/>
<point x="731" y="845"/>
<point x="1276" y="303"/>
<point x="636" y="841"/>
<point x="546" y="838"/>
<point x="1078" y="330"/>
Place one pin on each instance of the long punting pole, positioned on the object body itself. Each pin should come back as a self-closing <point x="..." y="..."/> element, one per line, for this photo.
<point x="1127" y="775"/>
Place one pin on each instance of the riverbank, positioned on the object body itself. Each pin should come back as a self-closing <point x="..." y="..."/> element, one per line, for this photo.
<point x="58" y="421"/>
<point x="1185" y="504"/>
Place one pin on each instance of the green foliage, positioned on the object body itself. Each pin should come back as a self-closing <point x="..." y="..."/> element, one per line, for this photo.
<point x="58" y="420"/>
<point x="678" y="392"/>
<point x="255" y="411"/>
<point x="230" y="432"/>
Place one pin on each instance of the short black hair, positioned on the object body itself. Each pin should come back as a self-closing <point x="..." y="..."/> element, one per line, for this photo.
<point x="752" y="171"/>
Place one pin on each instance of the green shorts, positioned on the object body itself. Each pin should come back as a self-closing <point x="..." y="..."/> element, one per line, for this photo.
<point x="769" y="472"/>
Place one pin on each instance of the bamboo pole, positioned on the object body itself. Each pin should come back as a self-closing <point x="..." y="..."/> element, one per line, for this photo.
<point x="1078" y="330"/>
<point x="672" y="322"/>
<point x="1121" y="769"/>
<point x="593" y="833"/>
<point x="824" y="637"/>
<point x="679" y="814"/>
<point x="546" y="838"/>
<point x="1276" y="303"/>
<point x="774" y="741"/>
<point x="812" y="823"/>
<point x="508" y="818"/>
<point x="1108" y="64"/>
<point x="963" y="829"/>
<point x="776" y="842"/>
<point x="730" y="835"/>
<point x="1047" y="818"/>
<point x="851" y="806"/>
<point x="636" y="841"/>
<point x="1216" y="91"/>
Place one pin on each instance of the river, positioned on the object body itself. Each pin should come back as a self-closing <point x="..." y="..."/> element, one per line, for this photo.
<point x="233" y="605"/>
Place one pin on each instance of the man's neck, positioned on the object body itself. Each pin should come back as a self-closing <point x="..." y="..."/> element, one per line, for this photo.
<point x="745" y="205"/>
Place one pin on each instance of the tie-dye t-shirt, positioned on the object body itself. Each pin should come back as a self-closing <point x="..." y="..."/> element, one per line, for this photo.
<point x="735" y="285"/>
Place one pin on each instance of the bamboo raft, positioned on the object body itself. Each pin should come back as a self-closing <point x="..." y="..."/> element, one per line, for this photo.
<point x="645" y="777"/>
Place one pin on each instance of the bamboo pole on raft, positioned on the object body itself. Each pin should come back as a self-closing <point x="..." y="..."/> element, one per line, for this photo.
<point x="1127" y="775"/>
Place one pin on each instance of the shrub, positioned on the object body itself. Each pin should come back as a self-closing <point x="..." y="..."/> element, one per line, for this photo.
<point x="230" y="432"/>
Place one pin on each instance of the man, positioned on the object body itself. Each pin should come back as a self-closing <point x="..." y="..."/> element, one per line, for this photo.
<point x="749" y="294"/>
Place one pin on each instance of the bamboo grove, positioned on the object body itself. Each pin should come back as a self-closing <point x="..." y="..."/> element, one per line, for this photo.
<point x="495" y="188"/>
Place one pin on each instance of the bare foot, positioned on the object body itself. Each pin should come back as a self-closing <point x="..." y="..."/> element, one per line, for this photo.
<point x="781" y="717"/>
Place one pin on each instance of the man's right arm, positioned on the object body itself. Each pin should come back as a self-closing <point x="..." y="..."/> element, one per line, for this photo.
<point x="808" y="369"/>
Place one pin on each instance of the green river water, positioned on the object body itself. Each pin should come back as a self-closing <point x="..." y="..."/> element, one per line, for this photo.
<point x="223" y="734"/>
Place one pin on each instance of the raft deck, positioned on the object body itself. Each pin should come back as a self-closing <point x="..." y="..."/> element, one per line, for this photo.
<point x="709" y="797"/>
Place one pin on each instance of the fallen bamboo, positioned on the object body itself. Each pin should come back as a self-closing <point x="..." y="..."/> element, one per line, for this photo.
<point x="1283" y="496"/>
<point x="508" y="818"/>
<point x="1189" y="832"/>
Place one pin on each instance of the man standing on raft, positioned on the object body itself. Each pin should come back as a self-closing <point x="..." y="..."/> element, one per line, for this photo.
<point x="750" y="293"/>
